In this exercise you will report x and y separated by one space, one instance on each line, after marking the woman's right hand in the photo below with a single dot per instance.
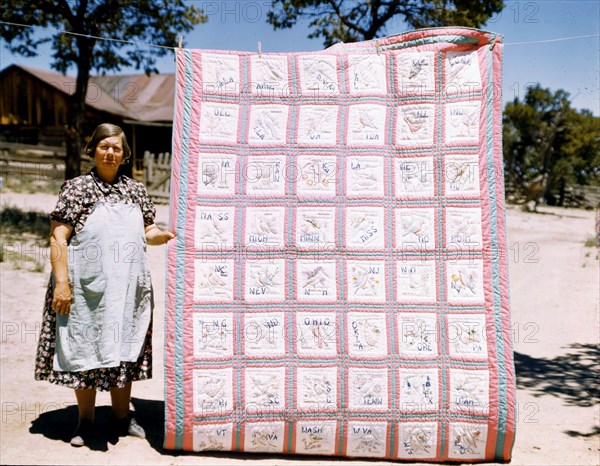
61 301
59 234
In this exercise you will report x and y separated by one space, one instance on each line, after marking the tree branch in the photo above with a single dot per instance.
343 19
65 10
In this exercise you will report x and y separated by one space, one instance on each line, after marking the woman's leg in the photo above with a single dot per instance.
120 398
86 403
123 422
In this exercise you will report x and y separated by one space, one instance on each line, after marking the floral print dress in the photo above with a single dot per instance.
75 203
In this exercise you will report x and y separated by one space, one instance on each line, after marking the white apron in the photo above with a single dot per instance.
112 299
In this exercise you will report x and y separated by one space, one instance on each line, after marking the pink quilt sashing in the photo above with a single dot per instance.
339 284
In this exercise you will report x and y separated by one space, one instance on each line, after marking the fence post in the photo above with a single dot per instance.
148 167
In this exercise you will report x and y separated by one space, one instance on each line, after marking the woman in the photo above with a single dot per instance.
97 328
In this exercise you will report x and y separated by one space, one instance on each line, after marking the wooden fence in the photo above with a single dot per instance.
155 172
39 164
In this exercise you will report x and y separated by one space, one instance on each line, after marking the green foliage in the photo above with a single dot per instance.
149 21
14 221
353 21
544 138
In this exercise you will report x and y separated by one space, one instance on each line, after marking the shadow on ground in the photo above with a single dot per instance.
573 376
61 423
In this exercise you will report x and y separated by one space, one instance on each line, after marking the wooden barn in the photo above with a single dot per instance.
34 105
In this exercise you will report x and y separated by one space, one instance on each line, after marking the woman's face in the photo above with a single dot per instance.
109 154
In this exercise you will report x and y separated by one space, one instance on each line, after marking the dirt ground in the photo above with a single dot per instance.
554 277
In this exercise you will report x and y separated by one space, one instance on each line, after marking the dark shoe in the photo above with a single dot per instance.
83 433
126 426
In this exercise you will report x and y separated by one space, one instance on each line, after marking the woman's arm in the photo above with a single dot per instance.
155 236
59 234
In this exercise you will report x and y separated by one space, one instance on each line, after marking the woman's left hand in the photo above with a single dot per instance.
155 236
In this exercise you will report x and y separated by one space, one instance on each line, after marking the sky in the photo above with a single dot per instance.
572 65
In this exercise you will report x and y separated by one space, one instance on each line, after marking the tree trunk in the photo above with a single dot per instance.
562 192
77 108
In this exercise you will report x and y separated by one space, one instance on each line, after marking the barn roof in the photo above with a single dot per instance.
134 97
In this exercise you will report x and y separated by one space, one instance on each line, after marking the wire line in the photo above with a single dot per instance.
560 39
87 35
552 40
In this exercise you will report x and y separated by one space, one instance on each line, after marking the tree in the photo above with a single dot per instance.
353 21
150 21
546 141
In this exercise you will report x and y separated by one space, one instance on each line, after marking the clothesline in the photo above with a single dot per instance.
559 39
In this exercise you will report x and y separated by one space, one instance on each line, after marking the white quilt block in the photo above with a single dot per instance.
316 281
264 228
213 437
265 176
219 123
268 125
417 440
318 76
264 334
316 228
464 280
461 176
316 176
467 336
217 174
317 388
463 229
366 335
462 73
419 390
316 437
415 229
367 125
213 280
462 123
416 281
214 228
365 228
418 334
213 335
364 177
414 125
316 334
469 391
265 437
414 177
416 73
269 75
367 74
367 438
221 74
467 440
213 391
264 280
264 389
366 281
368 389
318 125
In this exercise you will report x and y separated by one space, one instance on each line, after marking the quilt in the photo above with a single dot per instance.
339 284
